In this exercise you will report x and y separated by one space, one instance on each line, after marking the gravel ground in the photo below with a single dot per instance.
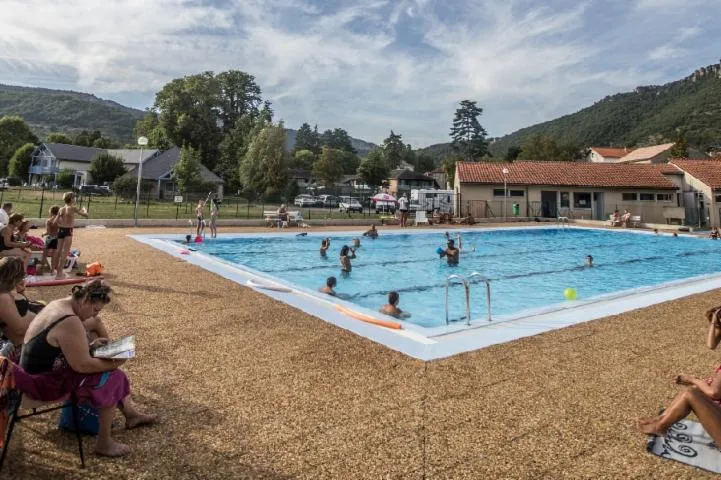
251 388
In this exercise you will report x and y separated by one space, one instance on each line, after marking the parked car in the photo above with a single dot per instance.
349 204
328 201
305 201
94 190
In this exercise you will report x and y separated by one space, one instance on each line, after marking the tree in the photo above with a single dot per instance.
337 139
349 162
540 148
105 168
263 170
680 147
19 165
512 154
469 137
303 159
393 150
14 133
238 96
65 178
86 138
448 164
328 168
58 138
150 128
186 173
372 169
126 186
232 149
307 139
424 163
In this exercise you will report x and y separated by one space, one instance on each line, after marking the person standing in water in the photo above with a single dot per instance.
372 233
589 261
452 253
324 246
391 308
330 284
346 254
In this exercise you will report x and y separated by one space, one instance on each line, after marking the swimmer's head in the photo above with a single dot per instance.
394 298
331 282
188 238
451 243
344 250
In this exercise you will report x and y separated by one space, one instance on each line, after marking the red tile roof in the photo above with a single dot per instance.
608 152
707 171
646 153
566 174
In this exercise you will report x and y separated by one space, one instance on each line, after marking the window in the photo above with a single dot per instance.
498 192
647 197
565 199
629 197
582 200
664 197
718 198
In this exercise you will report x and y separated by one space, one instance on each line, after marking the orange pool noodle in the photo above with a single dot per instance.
367 318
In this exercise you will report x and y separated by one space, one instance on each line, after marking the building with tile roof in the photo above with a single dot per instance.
572 189
606 154
657 154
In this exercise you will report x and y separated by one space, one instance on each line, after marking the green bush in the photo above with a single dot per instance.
65 178
14 181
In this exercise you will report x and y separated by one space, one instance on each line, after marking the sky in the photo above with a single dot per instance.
367 66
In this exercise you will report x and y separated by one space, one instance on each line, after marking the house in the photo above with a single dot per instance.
571 189
159 170
48 159
606 154
700 183
354 183
656 154
403 181
303 178
439 175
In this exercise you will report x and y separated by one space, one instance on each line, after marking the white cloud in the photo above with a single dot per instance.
349 65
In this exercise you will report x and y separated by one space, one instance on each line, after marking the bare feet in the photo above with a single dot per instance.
652 428
139 419
60 276
111 448
647 420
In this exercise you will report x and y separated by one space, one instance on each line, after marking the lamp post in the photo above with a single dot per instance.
142 141
505 192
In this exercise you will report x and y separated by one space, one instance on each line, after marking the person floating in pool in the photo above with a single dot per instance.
452 253
589 261
391 308
330 284
324 246
346 254
372 233
698 395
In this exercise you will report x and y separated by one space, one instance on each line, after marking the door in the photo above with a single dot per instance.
549 204
690 203
598 206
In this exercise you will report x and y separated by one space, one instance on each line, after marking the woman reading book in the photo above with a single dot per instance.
56 361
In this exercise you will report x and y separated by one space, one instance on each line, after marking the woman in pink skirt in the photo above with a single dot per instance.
56 361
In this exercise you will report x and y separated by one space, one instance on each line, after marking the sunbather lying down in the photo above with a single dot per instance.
700 396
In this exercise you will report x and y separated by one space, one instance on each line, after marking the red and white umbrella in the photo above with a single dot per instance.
384 197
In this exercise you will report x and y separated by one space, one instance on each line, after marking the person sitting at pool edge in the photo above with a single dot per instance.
391 308
700 396
625 218
330 284
324 246
372 233
616 219
346 254
452 253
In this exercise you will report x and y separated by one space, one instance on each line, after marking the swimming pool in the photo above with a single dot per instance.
528 269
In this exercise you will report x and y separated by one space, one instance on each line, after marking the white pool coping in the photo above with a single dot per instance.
430 343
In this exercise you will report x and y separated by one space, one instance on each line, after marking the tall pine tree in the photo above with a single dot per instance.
469 137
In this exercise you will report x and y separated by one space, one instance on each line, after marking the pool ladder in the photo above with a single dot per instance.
467 286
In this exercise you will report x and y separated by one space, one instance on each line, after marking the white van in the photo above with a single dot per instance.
430 200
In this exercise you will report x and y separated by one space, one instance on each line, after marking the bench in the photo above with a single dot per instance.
273 219
635 220
674 213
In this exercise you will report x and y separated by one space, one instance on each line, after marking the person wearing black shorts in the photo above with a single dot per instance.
403 208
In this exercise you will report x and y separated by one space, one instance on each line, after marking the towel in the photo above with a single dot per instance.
687 442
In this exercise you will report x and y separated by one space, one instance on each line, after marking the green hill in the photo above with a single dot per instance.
649 114
68 112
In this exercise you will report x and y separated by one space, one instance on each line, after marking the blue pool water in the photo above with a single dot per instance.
528 268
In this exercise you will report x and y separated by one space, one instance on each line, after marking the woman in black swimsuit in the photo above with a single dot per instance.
15 314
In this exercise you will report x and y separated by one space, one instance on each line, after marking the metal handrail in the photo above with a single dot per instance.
487 281
468 296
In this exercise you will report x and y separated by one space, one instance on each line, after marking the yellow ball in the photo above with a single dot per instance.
570 293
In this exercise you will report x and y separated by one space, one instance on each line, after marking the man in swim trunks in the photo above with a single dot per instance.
452 253
199 215
372 233
330 284
65 221
391 308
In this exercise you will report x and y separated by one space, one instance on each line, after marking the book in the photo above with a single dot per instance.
121 348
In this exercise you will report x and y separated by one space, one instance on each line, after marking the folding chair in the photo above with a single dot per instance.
15 399
421 217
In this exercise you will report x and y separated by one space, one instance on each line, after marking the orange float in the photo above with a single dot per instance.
368 319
